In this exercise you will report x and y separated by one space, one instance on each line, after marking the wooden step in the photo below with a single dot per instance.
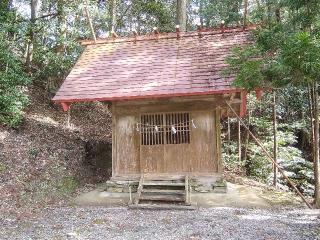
162 197
162 207
164 177
163 183
163 191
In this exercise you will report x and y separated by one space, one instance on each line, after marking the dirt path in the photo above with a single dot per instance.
120 223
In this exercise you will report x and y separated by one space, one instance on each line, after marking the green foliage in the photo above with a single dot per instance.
291 155
143 15
230 155
54 68
213 12
67 185
13 80
2 167
283 53
300 53
33 152
248 69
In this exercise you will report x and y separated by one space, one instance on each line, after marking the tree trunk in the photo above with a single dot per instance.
113 15
275 142
316 145
182 14
310 103
278 14
31 39
90 21
245 2
269 14
62 27
201 12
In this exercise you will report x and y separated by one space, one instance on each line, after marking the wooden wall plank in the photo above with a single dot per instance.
201 155
127 145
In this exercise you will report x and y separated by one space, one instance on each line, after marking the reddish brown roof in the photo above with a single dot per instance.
151 67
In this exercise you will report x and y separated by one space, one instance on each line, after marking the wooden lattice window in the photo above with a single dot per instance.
168 128
152 130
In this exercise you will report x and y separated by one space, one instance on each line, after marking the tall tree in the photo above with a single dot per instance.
31 37
286 53
275 140
182 14
113 15
13 79
62 26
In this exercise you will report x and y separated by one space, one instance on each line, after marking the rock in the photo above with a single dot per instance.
220 189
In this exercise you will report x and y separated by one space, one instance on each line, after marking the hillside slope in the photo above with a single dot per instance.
49 156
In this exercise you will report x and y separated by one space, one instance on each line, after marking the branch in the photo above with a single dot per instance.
124 13
48 15
44 16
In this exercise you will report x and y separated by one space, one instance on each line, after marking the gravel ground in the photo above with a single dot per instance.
121 223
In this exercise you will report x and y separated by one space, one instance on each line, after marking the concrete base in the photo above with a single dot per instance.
236 196
200 183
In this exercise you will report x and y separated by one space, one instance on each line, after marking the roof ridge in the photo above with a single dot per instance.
166 35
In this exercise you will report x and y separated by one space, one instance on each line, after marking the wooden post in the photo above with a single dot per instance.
199 30
275 143
247 136
187 201
90 22
68 117
130 195
178 31
218 140
239 140
270 158
222 27
135 34
229 134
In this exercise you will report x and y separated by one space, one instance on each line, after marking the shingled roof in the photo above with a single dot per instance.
158 65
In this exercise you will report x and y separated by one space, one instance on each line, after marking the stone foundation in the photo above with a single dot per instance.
122 186
200 184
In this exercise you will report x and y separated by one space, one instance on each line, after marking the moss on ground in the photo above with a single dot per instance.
68 185
280 198
2 167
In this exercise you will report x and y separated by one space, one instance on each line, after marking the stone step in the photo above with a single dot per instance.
164 191
164 177
163 183
162 197
162 207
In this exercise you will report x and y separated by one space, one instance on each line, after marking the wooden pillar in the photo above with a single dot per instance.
239 140
114 141
218 140
229 133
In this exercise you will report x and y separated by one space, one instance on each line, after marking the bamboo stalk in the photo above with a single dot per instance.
270 158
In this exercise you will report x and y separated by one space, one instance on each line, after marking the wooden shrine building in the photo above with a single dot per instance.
167 93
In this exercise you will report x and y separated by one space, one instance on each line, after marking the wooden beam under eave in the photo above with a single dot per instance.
65 106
